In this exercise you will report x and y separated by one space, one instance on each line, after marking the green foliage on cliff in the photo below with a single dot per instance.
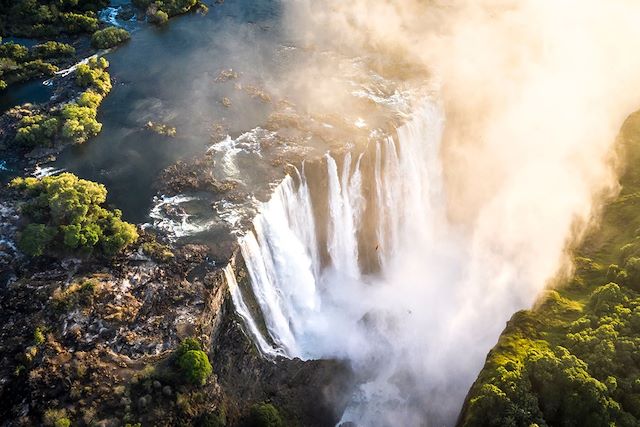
195 366
574 360
65 214
76 122
265 415
42 18
109 37
192 362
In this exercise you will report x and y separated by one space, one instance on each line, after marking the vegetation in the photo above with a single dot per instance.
109 37
265 415
56 418
157 251
159 11
37 130
62 422
575 359
213 419
44 18
51 49
193 362
18 63
65 214
157 16
77 294
76 122
196 367
38 336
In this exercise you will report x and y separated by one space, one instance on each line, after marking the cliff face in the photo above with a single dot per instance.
307 393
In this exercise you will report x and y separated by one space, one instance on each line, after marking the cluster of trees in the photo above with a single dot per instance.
18 63
109 37
587 378
159 11
575 359
76 122
43 18
64 214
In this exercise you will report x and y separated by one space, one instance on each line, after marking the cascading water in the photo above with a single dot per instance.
364 266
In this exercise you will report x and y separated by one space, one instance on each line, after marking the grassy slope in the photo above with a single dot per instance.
574 360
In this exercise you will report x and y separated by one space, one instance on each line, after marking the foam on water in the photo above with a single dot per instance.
179 223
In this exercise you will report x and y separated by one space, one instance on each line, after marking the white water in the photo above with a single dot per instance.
413 329
179 224
109 15
65 72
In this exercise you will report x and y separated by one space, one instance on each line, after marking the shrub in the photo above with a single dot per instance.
90 99
604 298
51 49
213 420
265 415
37 130
62 422
157 251
15 51
80 123
35 238
94 75
65 212
632 267
176 7
109 37
77 23
195 366
186 345
36 68
52 416
158 17
38 336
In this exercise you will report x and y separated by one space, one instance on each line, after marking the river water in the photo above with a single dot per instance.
171 75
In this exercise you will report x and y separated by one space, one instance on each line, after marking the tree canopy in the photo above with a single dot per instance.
65 214
574 360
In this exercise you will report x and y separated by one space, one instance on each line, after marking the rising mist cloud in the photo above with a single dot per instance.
534 93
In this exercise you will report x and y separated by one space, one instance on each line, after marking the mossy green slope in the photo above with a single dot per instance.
574 360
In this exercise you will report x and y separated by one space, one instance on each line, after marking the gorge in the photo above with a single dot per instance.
337 207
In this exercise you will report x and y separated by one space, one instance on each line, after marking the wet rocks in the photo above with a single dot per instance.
194 175
226 75
161 129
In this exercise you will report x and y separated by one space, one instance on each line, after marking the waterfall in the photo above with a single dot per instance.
361 264
243 310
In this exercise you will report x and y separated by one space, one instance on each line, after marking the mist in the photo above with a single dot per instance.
501 170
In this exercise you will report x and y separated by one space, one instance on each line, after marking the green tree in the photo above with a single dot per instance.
66 212
35 238
109 37
195 366
265 415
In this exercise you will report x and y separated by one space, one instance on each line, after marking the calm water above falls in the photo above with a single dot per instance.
167 75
